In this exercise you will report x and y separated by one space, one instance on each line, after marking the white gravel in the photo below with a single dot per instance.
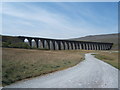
91 73
1 88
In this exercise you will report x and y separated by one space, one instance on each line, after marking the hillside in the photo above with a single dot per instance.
113 38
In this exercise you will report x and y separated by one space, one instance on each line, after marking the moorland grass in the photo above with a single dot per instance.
18 64
109 57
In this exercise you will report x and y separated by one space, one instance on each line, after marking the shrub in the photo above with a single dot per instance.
15 45
19 45
5 44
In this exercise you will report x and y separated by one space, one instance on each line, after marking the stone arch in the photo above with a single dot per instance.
73 44
110 46
45 44
100 46
33 43
96 46
90 46
41 43
51 45
80 46
93 46
87 46
105 48
56 45
48 44
26 41
36 42
61 45
29 42
76 45
65 45
70 47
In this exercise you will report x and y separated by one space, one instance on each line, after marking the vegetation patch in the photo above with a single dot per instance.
103 57
109 57
15 45
18 64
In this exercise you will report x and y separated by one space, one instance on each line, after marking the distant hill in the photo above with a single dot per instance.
112 38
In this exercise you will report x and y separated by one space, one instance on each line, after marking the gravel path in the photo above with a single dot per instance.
91 73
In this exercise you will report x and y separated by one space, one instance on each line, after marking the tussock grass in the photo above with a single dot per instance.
109 57
18 64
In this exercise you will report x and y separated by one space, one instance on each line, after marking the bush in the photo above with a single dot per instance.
19 45
15 45
5 44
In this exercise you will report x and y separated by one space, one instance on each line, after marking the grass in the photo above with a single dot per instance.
18 64
109 57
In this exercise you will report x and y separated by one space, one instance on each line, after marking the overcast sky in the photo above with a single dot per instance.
59 20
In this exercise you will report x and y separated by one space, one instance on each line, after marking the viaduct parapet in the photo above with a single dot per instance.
55 44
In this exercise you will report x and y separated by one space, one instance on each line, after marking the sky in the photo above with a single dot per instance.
59 20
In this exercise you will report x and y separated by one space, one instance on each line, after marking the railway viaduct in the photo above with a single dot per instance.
55 44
